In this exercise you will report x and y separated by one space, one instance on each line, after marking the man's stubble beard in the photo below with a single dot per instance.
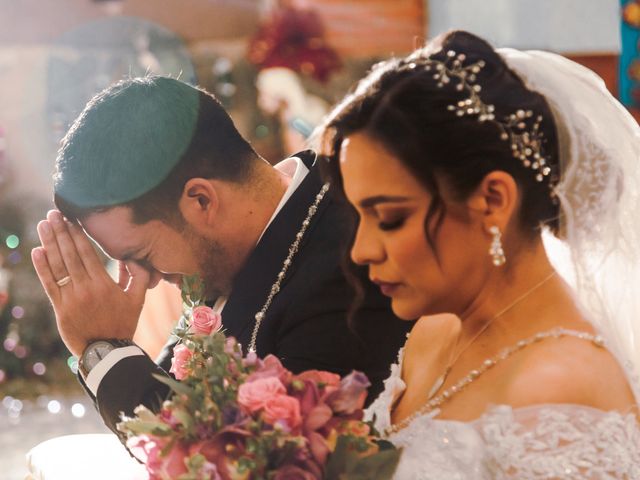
216 265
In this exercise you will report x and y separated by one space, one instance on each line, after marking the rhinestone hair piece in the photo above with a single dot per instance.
526 143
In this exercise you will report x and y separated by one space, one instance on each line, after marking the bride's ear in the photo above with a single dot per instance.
496 199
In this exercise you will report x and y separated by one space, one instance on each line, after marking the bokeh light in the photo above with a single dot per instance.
10 344
12 241
72 363
20 351
14 257
39 368
262 131
78 410
54 406
17 312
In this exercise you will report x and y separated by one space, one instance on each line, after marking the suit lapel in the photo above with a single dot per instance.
253 283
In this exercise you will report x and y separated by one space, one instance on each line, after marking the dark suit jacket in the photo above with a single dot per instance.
306 325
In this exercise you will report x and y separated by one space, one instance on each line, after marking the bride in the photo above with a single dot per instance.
498 198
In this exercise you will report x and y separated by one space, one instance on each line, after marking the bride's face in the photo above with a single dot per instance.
391 238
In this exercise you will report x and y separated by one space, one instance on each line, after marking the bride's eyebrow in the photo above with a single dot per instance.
373 201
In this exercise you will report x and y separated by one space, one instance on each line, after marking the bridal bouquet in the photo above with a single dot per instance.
240 417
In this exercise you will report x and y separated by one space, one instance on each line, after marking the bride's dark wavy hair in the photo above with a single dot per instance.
406 111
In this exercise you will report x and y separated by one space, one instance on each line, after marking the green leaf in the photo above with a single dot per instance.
345 464
183 417
192 290
339 460
175 385
379 466
138 427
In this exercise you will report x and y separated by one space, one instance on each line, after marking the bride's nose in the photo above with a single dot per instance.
366 249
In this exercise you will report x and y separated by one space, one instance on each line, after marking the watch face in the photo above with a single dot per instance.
94 353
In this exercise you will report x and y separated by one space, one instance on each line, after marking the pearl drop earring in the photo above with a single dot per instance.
496 251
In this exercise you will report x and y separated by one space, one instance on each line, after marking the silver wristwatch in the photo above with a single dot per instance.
96 351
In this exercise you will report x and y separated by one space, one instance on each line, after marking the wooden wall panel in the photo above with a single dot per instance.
373 28
605 65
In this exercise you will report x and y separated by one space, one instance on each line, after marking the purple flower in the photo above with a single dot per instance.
351 395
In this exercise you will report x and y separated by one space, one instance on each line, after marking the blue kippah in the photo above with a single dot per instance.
126 141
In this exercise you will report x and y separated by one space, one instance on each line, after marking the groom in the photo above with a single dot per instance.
156 173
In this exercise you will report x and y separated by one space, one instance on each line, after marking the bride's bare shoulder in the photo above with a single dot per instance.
433 329
569 370
430 335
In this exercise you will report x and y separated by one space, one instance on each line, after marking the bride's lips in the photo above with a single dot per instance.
386 288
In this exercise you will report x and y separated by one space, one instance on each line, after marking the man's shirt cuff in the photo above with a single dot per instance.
98 372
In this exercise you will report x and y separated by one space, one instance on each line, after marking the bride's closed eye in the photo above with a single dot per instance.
391 225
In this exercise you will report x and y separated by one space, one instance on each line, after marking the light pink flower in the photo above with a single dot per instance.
148 450
318 446
320 377
317 417
181 355
271 366
205 321
250 360
255 394
283 410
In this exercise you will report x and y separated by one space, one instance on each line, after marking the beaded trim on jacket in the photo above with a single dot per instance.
293 249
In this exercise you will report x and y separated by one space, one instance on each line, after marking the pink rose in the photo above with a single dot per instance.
283 410
204 320
148 450
254 395
181 356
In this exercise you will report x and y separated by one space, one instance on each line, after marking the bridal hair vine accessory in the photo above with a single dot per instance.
526 142
496 251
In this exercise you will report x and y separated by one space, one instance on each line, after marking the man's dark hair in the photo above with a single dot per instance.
138 142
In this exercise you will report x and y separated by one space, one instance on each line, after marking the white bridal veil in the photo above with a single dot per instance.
599 192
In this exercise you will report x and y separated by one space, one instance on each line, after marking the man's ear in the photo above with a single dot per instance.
496 199
199 202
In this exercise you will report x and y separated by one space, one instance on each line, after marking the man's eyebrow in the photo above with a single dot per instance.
373 201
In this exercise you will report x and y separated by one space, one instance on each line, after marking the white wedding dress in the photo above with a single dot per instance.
552 441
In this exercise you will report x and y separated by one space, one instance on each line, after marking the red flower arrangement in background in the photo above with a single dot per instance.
294 38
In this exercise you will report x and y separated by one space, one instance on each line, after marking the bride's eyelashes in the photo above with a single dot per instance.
391 225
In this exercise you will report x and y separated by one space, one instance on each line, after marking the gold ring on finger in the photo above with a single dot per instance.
63 281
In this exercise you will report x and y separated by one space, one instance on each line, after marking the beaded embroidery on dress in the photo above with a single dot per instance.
539 442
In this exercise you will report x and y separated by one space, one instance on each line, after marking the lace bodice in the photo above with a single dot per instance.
553 441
